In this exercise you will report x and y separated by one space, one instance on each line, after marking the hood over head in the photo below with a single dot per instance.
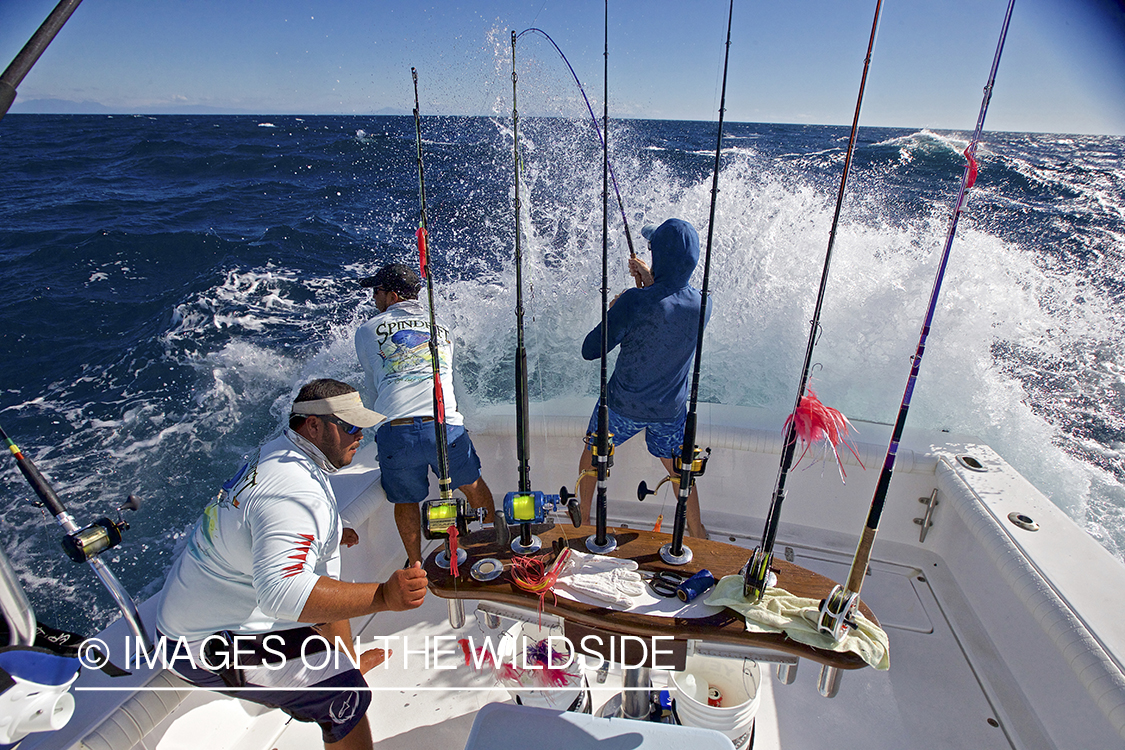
675 252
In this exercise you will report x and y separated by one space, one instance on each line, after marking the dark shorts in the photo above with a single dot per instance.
408 452
664 439
337 703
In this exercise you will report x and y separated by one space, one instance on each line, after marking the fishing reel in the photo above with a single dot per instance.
591 441
837 613
532 507
758 575
698 466
444 519
87 543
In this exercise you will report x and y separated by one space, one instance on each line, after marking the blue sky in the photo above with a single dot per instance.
797 61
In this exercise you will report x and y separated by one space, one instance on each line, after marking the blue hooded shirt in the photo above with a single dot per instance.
656 328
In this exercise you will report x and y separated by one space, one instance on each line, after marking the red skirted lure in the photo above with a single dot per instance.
813 421
423 241
453 570
971 179
529 574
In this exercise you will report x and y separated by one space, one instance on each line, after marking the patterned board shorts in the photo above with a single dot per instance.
662 438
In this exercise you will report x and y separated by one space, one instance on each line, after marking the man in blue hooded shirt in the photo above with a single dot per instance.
656 326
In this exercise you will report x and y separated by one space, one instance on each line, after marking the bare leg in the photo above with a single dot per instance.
694 519
341 631
408 519
586 484
360 736
357 739
479 496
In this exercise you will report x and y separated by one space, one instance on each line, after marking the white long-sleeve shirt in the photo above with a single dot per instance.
259 548
394 351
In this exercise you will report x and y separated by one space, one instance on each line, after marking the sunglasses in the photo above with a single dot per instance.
351 429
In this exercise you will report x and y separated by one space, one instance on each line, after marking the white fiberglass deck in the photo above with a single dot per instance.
999 637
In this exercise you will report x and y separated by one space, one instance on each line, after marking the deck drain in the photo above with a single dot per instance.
971 463
1023 521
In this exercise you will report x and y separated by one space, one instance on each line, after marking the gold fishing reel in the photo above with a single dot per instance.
698 466
591 441
698 461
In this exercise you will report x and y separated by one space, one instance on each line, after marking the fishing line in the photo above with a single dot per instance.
444 481
597 129
758 567
836 611
675 553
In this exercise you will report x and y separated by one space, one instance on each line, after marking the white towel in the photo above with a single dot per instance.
796 616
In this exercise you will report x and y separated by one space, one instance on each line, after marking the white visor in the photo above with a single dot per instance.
347 406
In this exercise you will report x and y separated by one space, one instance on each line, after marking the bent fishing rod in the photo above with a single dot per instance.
14 74
523 429
86 544
597 129
524 506
756 575
675 552
422 234
837 610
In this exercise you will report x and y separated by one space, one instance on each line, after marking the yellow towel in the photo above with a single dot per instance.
782 612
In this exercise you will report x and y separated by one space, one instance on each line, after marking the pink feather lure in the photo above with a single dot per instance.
813 421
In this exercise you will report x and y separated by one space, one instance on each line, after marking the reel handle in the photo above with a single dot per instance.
573 509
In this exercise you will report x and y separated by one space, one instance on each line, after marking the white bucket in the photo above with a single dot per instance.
738 682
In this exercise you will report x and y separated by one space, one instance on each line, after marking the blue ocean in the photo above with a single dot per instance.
170 281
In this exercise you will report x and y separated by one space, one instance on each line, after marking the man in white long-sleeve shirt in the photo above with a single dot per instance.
394 350
265 558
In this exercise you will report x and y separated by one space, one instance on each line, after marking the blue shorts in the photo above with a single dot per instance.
337 711
664 439
407 453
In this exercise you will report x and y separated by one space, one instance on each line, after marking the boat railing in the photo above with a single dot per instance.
13 602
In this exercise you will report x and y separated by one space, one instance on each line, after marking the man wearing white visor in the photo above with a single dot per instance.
259 576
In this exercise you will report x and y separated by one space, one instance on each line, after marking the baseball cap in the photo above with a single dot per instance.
394 277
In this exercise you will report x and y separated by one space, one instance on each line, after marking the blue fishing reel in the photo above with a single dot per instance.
531 507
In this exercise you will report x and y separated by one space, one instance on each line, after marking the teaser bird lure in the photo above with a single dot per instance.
813 422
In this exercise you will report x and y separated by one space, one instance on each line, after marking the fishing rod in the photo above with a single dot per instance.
601 542
524 506
757 570
85 544
675 552
444 518
836 611
422 234
523 429
29 55
597 129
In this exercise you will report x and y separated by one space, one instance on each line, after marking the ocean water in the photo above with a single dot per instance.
169 282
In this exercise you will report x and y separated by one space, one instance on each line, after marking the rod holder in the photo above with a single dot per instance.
828 684
787 673
456 613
